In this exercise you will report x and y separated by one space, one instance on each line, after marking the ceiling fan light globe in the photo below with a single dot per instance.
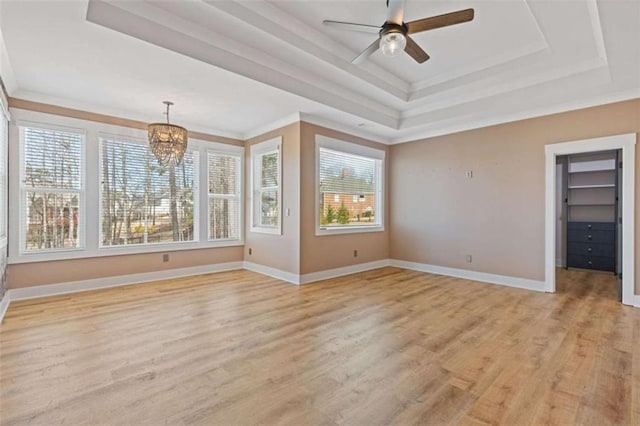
393 43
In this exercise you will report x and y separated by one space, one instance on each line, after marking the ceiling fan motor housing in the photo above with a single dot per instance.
391 28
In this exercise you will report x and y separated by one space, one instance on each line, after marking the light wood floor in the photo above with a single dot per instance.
384 347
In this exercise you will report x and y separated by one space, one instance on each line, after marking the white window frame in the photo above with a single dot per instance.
4 158
166 245
237 152
362 151
82 203
257 151
91 174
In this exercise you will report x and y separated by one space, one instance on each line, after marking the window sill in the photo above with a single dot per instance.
321 232
271 231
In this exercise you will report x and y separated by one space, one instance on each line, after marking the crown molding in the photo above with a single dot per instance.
90 115
333 125
471 124
266 128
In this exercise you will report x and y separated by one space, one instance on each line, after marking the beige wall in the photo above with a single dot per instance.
438 215
51 272
318 253
278 251
433 214
59 271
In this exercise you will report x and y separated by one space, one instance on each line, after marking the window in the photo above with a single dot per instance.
224 172
352 174
51 190
4 139
266 193
142 202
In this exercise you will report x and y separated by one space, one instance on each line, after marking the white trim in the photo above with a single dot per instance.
238 154
625 142
92 131
122 280
346 270
4 305
195 151
275 125
472 122
289 277
349 148
340 145
256 151
508 281
117 281
346 128
80 191
115 112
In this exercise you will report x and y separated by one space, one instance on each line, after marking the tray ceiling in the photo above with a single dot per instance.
514 60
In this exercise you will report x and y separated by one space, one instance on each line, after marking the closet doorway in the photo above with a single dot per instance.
589 222
589 217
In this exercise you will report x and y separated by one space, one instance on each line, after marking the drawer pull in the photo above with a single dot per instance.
589 226
590 263
589 249
589 237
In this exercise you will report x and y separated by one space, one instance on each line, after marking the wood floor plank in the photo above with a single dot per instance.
389 346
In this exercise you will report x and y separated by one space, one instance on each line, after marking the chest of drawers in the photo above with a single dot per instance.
591 245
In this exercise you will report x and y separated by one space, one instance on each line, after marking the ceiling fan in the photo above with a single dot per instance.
393 35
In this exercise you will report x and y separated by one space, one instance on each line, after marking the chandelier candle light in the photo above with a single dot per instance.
168 142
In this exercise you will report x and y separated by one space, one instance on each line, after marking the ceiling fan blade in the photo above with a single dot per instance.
415 51
366 52
440 21
350 26
395 13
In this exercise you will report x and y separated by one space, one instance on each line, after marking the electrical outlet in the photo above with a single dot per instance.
469 174
165 257
355 253
250 251
469 258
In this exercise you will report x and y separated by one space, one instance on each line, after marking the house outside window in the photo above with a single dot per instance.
51 190
349 186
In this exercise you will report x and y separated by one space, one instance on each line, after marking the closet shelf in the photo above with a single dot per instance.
611 185
590 204
613 169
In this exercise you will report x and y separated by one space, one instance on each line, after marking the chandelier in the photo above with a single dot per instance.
168 142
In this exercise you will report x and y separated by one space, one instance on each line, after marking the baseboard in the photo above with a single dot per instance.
120 280
289 277
347 270
4 305
559 263
637 301
94 284
523 283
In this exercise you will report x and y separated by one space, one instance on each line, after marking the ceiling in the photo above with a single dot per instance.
239 68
